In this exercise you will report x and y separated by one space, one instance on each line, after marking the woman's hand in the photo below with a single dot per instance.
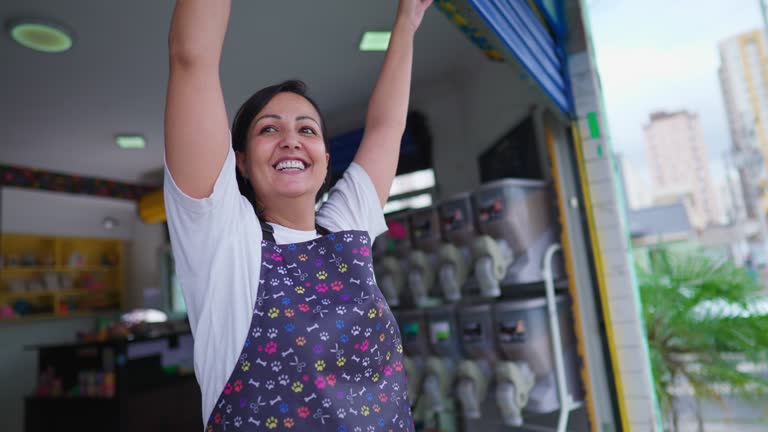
411 12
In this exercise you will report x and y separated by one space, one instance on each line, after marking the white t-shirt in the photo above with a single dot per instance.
217 248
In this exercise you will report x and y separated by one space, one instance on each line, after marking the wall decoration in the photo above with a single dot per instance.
42 180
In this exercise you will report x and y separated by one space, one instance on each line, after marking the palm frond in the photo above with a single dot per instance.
703 325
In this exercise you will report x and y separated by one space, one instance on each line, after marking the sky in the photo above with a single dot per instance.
656 55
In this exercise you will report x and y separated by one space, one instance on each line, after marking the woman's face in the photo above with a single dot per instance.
285 155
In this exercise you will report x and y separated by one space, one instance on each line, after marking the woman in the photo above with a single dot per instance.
291 331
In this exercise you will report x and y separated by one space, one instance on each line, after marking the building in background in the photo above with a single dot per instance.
637 190
733 205
668 227
744 83
663 224
679 167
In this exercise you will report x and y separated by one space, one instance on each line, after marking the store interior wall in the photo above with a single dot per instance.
29 211
65 214
144 260
444 105
492 100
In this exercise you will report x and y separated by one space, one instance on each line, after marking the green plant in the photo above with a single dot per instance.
703 325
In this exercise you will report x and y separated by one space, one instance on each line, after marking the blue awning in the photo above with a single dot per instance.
511 28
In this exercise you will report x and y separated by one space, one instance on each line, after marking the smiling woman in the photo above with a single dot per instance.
249 245
259 133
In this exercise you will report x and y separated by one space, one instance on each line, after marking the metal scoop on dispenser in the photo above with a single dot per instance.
442 364
413 329
391 250
475 373
455 255
422 261
516 227
524 338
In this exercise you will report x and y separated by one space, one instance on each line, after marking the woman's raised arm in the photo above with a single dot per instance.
196 126
388 107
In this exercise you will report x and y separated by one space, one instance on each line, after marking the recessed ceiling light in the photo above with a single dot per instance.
40 36
131 141
375 41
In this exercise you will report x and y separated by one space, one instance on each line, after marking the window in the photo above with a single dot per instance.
176 304
418 201
412 190
418 180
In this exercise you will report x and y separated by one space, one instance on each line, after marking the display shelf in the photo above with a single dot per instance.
57 316
53 276
25 295
10 271
62 293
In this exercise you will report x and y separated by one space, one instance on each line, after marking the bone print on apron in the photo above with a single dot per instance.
323 352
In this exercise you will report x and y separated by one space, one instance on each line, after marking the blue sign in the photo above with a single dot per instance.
415 147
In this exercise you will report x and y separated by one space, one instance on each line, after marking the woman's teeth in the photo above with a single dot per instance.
290 165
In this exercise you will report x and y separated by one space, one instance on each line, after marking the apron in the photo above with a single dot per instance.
324 352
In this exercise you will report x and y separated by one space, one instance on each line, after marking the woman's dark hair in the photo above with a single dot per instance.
241 125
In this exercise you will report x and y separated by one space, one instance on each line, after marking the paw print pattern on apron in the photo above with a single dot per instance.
323 352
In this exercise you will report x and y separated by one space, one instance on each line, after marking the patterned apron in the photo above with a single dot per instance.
324 352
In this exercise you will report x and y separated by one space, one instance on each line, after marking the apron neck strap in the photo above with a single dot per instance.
269 232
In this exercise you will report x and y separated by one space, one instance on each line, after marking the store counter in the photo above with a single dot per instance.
133 383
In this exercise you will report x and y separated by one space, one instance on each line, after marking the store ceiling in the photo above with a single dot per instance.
60 112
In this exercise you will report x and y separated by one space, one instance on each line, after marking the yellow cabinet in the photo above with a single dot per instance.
49 276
